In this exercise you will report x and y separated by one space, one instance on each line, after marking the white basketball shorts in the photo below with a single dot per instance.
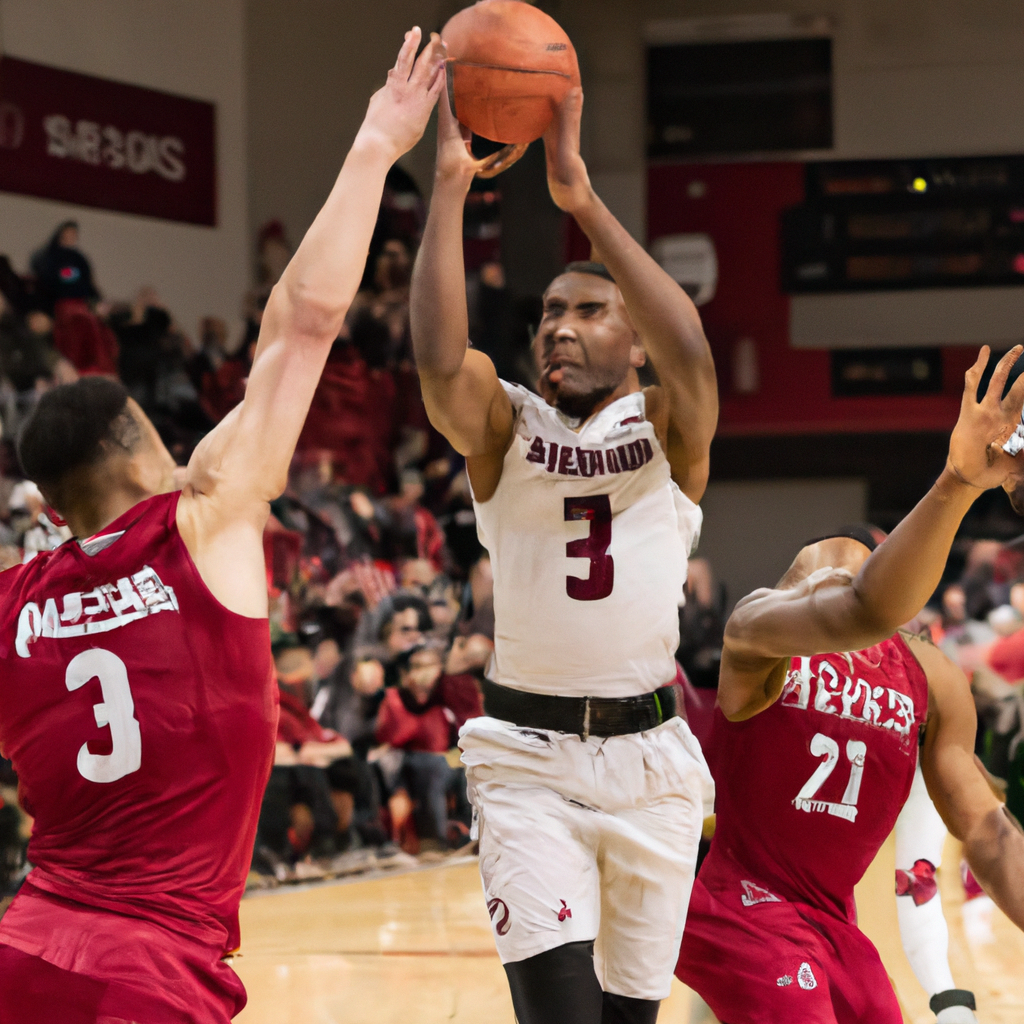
589 840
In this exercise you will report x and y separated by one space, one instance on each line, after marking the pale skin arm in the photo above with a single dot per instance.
834 611
461 391
242 464
685 407
993 845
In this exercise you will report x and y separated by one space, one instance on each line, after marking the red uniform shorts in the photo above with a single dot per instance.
776 962
65 963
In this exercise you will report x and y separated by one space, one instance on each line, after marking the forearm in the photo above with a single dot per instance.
663 314
440 323
321 279
891 588
902 574
995 851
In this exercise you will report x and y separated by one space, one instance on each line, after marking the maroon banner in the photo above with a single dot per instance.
96 142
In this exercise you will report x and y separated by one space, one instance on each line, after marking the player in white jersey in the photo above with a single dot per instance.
590 791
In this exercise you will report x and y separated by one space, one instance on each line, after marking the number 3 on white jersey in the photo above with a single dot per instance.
116 711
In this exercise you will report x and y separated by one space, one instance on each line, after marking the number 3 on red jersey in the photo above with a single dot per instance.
117 711
597 510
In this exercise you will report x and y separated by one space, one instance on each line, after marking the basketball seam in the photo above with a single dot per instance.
501 67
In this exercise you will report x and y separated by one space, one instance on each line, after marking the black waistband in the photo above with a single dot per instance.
584 716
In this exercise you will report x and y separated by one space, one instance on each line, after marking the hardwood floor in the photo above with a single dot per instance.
416 948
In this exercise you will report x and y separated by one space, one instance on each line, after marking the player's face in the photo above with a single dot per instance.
586 346
152 465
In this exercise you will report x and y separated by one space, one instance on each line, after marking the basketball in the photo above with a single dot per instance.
509 65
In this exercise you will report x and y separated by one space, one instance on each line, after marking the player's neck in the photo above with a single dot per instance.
93 515
630 385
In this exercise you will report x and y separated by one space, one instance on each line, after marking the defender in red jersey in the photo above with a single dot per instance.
137 698
814 752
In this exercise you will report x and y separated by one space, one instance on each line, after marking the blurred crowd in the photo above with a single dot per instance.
977 619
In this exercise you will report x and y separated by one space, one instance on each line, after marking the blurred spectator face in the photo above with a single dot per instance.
699 582
422 674
214 333
39 323
418 574
954 604
69 237
403 631
469 654
1017 598
361 505
326 659
295 668
367 678
443 610
481 581
394 265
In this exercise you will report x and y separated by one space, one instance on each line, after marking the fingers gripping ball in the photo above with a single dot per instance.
509 66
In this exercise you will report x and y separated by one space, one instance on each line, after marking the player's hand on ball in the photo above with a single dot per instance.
455 160
976 456
398 113
568 180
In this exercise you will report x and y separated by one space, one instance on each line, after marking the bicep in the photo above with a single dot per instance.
470 407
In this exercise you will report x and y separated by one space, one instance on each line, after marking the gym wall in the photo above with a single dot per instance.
190 47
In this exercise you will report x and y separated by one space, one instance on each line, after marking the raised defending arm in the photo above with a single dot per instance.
665 319
463 396
243 463
834 611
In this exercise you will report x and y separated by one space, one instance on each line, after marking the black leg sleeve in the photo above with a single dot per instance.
627 1010
557 987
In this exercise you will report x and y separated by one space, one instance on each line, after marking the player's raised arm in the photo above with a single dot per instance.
463 396
832 610
993 843
662 313
244 461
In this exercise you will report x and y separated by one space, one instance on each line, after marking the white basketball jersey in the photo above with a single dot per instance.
588 537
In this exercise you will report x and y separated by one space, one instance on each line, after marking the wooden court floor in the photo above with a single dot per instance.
416 948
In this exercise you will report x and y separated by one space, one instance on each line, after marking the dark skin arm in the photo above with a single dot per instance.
684 409
993 844
461 391
834 610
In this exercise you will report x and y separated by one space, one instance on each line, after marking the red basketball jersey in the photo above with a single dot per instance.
140 715
808 790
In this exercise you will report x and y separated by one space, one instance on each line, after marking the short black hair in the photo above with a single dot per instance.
401 603
863 533
69 428
589 267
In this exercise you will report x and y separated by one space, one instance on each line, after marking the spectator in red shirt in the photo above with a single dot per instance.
422 717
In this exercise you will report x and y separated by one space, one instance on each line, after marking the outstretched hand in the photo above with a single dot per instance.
568 181
976 454
398 112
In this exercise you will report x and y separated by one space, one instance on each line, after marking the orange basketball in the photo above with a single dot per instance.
509 65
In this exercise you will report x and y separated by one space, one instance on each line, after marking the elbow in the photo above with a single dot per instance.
306 310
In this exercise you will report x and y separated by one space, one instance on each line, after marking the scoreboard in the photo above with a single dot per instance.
886 225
